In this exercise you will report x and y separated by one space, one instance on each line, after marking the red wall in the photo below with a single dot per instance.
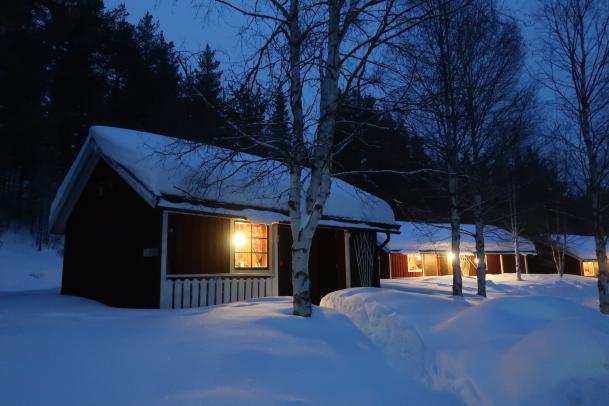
399 267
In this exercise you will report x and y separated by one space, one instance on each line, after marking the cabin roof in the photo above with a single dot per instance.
581 247
435 237
175 174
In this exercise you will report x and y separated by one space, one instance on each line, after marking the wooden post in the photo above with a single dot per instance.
389 264
422 263
438 264
501 261
165 291
348 260
275 259
526 265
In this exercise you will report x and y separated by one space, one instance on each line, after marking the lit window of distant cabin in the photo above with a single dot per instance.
251 243
415 264
589 268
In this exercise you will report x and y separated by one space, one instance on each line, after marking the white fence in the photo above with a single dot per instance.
185 291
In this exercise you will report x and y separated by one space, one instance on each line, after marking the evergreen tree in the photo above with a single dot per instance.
278 123
67 66
247 108
151 91
208 77
203 102
375 140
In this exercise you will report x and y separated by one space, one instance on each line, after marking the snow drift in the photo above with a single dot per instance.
67 350
513 349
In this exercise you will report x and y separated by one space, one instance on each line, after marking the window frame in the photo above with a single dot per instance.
589 264
268 270
409 257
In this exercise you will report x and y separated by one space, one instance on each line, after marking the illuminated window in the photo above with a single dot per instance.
589 268
414 263
251 246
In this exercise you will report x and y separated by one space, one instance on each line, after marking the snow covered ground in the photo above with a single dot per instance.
540 341
61 350
575 288
23 267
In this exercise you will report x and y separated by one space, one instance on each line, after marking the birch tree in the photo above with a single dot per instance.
318 51
515 231
490 55
577 71
439 114
467 63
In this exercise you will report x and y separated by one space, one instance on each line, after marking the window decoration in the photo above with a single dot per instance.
415 264
251 246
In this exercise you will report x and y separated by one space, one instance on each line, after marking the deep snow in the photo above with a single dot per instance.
61 350
540 341
532 342
23 267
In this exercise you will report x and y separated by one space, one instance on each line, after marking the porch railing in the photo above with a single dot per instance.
185 291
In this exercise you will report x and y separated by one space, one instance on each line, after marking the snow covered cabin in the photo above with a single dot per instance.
151 221
580 253
424 249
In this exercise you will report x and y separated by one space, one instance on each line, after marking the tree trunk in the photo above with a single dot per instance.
455 228
517 257
301 283
601 256
479 236
304 218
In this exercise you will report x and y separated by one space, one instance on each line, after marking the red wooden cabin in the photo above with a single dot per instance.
151 221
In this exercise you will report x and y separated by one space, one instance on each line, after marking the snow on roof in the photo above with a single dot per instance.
427 237
582 247
172 173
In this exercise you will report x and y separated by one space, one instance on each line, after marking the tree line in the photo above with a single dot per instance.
68 65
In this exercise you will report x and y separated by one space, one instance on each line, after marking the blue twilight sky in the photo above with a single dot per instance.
191 27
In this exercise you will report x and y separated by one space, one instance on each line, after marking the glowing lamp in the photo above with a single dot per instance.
450 256
476 260
239 239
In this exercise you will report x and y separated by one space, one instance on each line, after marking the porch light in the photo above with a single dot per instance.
239 239
476 260
450 256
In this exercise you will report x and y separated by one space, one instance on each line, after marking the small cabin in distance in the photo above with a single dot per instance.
580 253
424 249
154 222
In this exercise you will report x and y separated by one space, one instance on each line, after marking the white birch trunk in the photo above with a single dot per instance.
305 218
601 256
455 228
479 236
517 256
515 231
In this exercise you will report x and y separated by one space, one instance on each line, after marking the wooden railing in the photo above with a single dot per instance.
185 291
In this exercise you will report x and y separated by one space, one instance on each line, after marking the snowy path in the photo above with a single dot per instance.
540 341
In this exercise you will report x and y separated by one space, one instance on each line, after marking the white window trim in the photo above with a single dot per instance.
269 271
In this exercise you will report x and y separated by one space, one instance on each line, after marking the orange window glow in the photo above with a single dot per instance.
251 244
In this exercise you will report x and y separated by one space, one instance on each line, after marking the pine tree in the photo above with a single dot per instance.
208 77
247 108
152 86
278 123
203 100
